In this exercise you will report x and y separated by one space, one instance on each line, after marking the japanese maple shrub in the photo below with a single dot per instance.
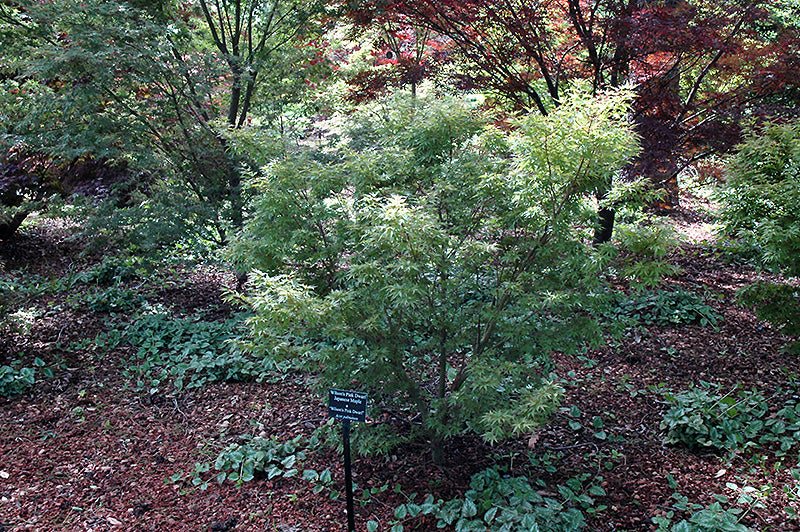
435 261
762 210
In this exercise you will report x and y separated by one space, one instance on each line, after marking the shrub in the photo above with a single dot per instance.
761 204
242 462
435 260
698 418
646 247
150 223
190 352
656 307
114 300
25 186
31 181
777 303
115 269
713 518
512 504
761 207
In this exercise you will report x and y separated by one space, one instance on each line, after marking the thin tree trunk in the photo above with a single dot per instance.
605 226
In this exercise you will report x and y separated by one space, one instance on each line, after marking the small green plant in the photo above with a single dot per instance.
497 502
701 417
16 289
324 479
656 307
242 462
114 299
713 518
116 269
15 379
648 245
595 425
22 320
190 352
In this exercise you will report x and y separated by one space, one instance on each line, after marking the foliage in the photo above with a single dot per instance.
777 303
18 288
242 462
294 225
114 299
145 86
645 250
760 208
760 201
15 379
266 50
115 269
73 54
374 439
695 66
434 260
698 417
402 53
710 519
22 191
659 307
189 352
156 225
498 502
31 181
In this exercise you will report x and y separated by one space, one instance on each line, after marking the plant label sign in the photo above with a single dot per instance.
347 405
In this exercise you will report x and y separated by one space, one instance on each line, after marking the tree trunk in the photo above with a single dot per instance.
657 106
234 184
605 226
437 450
8 228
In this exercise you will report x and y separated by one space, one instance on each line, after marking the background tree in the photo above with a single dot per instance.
404 52
700 68
113 81
248 35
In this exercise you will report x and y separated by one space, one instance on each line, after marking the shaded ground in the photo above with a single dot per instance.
86 451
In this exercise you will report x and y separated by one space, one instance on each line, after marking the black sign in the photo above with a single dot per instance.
347 405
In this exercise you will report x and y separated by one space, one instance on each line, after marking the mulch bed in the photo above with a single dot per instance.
86 451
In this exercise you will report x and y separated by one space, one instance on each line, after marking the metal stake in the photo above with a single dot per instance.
348 476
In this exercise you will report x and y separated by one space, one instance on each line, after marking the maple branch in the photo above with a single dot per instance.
707 68
219 42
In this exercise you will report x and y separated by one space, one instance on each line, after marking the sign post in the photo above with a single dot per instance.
348 406
348 476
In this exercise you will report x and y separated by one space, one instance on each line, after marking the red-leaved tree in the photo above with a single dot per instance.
700 68
405 51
